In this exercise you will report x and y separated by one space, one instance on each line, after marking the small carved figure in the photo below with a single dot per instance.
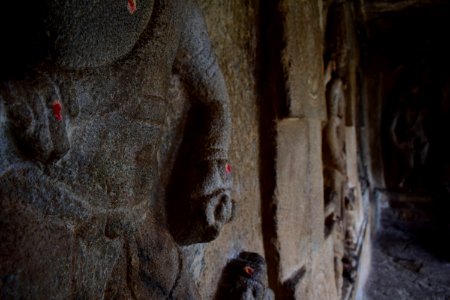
408 135
338 253
244 279
333 143
334 135
350 219
350 267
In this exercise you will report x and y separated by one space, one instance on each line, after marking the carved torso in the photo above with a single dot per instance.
115 142
121 127
87 167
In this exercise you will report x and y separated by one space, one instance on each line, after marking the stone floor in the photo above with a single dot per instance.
411 252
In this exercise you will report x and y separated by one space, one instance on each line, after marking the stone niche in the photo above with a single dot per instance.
104 107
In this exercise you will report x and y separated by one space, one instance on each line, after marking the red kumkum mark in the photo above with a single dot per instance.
57 110
249 270
132 6
228 168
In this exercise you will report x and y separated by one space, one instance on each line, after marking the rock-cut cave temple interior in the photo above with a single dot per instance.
196 149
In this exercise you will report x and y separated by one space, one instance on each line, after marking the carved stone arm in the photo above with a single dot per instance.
202 204
199 69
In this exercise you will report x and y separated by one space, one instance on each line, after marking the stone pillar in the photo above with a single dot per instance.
303 256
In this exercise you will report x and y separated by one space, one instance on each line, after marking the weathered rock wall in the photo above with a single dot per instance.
281 69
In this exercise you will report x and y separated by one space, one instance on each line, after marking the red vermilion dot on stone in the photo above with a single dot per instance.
228 168
132 6
249 270
57 110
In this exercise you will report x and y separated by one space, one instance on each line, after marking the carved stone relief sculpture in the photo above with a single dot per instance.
87 135
244 278
334 167
407 133
350 218
349 260
333 148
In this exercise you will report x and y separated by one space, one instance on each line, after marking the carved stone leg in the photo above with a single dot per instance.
149 267
53 247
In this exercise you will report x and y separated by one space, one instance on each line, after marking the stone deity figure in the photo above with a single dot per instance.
88 131
407 132
333 142
349 260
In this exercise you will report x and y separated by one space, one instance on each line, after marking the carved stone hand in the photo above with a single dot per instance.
209 205
37 116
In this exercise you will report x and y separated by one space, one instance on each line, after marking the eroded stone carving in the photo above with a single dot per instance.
244 278
36 114
333 147
87 136
350 257
334 167
350 219
208 206
407 133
